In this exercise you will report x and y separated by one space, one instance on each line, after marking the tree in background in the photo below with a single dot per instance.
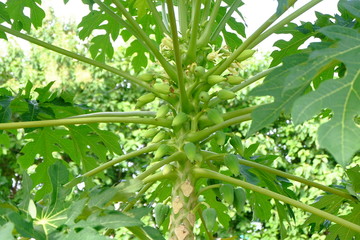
200 170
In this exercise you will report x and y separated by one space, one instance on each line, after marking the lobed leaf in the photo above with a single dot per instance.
341 135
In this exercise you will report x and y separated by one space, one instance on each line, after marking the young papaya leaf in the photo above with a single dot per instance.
338 231
341 135
6 231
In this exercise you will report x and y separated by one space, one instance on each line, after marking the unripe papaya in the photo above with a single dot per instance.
150 132
161 211
147 77
204 96
209 216
227 193
226 94
159 136
180 119
162 88
149 97
233 80
236 142
167 169
245 55
190 151
199 71
162 151
215 116
220 138
214 79
232 163
162 111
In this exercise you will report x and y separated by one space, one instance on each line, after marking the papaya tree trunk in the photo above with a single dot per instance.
184 200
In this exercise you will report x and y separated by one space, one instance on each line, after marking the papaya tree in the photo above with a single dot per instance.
194 169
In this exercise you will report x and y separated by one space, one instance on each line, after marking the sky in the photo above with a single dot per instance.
255 13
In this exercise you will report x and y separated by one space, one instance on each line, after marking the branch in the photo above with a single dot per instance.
157 177
205 173
244 84
183 97
157 17
84 120
165 64
201 190
205 36
201 135
175 157
138 196
195 18
205 122
111 163
116 114
77 57
256 165
183 22
106 165
224 65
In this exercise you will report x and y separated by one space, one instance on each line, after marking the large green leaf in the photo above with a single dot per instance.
286 48
15 9
341 135
340 232
112 219
295 66
328 203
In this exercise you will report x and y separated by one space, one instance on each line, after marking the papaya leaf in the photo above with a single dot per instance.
340 232
5 102
87 233
15 9
112 219
341 135
273 85
328 203
25 228
299 35
353 7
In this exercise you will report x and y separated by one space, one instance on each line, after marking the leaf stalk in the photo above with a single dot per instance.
205 173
